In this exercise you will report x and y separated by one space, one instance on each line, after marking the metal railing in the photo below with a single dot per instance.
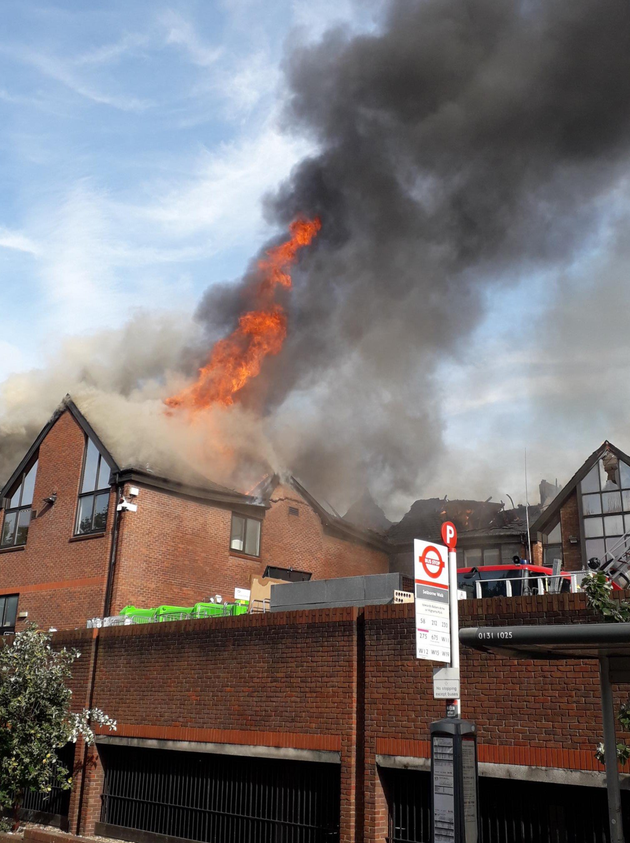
132 620
522 586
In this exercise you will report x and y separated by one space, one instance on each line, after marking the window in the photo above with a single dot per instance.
94 495
473 557
245 535
552 543
287 574
605 494
17 516
8 613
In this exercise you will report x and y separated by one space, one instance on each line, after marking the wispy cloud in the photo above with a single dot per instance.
17 241
63 73
221 200
108 53
181 32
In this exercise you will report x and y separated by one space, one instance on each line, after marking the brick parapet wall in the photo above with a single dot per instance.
348 680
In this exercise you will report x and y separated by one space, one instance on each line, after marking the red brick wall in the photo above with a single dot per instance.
348 680
61 582
300 542
273 679
570 521
345 559
176 551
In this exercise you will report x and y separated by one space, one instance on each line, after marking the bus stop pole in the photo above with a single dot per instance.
610 750
456 710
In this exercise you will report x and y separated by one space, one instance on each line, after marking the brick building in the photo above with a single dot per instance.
318 722
590 516
68 553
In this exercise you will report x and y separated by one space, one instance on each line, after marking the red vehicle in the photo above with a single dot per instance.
510 580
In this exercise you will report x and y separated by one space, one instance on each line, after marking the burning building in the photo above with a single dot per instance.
88 529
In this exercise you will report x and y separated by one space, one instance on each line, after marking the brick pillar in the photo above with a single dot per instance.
77 778
570 520
349 830
93 780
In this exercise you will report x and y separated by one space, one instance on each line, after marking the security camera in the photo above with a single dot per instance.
593 563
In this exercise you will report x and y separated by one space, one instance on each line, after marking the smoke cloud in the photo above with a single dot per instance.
463 147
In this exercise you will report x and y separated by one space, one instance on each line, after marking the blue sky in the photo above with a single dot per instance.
136 142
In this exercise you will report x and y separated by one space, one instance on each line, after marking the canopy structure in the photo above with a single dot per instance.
609 643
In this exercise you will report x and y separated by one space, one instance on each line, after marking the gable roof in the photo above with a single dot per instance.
549 515
331 520
191 483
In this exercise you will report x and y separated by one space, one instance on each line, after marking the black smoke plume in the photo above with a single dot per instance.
464 145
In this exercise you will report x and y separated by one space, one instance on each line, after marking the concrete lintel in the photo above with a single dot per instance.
403 762
282 752
548 775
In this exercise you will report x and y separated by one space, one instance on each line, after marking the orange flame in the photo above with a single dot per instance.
235 360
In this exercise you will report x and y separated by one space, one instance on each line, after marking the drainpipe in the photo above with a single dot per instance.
113 550
610 749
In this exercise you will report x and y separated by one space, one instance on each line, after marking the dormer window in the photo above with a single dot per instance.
17 514
94 495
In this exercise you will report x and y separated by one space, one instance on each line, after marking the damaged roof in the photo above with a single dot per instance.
158 471
478 518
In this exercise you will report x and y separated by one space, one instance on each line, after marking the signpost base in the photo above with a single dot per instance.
454 788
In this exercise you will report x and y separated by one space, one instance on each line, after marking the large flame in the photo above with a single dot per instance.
238 358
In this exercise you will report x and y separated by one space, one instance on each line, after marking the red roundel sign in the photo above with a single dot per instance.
432 562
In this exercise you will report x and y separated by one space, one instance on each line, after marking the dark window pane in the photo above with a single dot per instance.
613 524
29 486
15 500
555 536
492 556
473 557
624 471
237 540
595 549
100 512
494 589
8 528
592 504
611 502
84 515
103 475
460 558
91 465
24 519
552 551
252 537
593 528
10 610
591 481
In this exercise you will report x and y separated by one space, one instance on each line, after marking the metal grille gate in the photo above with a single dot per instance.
510 811
46 806
220 798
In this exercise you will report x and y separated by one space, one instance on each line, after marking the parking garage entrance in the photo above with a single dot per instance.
152 794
